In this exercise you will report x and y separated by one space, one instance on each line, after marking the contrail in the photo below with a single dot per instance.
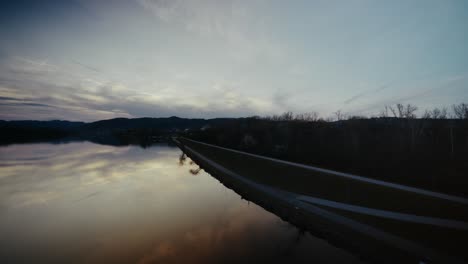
86 66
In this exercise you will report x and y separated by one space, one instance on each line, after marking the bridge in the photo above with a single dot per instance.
378 220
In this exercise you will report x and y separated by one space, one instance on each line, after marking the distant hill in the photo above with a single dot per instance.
54 124
115 131
172 122
154 123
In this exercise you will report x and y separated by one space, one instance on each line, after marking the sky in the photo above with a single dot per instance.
94 59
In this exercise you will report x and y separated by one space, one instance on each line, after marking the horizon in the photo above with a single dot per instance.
92 60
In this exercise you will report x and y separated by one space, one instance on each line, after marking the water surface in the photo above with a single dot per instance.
88 203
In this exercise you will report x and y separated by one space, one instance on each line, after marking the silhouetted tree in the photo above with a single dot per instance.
460 111
339 115
436 113
400 110
308 117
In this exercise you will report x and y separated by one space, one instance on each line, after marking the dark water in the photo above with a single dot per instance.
87 203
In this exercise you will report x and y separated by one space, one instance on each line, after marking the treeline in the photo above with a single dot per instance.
456 111
429 152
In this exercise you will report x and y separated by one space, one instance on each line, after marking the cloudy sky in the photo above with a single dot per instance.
89 60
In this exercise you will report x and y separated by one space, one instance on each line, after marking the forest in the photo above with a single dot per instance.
430 151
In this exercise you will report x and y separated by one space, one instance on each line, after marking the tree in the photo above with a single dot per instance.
384 112
436 113
460 111
339 115
427 115
409 111
287 116
308 117
400 110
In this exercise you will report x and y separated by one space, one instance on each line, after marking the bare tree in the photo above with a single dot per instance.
439 113
436 113
308 117
460 111
287 116
384 112
394 112
427 114
443 113
401 111
409 111
339 115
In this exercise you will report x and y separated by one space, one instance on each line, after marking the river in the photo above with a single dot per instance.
87 203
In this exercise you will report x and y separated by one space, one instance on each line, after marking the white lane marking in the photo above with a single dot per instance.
447 223
350 176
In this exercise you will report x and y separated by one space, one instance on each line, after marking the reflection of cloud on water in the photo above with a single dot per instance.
34 174
238 234
20 199
129 205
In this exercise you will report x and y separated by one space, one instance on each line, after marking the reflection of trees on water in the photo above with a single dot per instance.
182 159
291 246
195 171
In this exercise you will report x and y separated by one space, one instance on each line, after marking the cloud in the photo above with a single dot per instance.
238 24
31 89
26 104
4 98
280 99
204 17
